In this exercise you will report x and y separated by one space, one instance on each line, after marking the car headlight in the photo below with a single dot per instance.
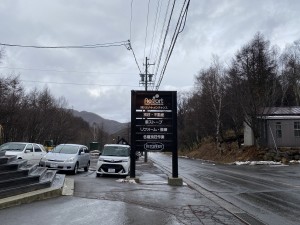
101 160
70 159
124 160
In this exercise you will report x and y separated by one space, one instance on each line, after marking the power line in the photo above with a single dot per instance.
59 71
157 15
185 17
130 25
161 33
129 41
164 41
103 45
130 48
79 84
146 28
179 28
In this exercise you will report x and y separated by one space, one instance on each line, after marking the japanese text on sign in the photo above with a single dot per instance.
153 129
154 146
154 137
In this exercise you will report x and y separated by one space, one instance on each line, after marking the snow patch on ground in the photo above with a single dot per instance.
130 181
253 163
295 161
208 162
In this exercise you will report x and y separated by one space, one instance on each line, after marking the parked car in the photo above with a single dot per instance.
33 152
115 159
67 157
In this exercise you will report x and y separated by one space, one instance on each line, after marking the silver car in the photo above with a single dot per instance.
67 157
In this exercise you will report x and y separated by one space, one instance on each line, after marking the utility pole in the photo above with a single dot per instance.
146 79
1 135
94 125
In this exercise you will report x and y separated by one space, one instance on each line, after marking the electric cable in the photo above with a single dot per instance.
162 29
147 28
79 84
185 14
58 71
157 15
178 29
130 48
160 39
103 45
130 24
164 41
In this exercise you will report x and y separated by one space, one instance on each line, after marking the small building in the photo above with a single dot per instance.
279 127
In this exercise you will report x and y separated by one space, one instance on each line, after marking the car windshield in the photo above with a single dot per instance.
115 151
66 149
12 147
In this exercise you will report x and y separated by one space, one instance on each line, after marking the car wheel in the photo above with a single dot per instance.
98 175
87 167
75 170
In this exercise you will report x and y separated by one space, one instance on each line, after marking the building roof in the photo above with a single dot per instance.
281 117
281 111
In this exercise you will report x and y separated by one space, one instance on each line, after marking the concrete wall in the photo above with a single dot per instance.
248 135
288 138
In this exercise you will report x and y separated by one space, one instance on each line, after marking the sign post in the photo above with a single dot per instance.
154 124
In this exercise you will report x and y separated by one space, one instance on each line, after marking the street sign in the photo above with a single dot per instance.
154 125
153 119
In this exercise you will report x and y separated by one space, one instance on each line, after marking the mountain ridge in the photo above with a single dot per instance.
109 126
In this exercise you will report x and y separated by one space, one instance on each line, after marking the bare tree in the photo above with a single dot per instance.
11 94
211 85
290 74
188 120
233 116
255 69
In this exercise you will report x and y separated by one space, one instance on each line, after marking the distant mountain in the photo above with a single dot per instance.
109 126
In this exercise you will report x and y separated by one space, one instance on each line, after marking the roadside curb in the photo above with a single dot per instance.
68 188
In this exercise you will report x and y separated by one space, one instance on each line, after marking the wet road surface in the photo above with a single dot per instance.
103 200
269 193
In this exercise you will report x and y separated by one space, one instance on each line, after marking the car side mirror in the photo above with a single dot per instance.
27 151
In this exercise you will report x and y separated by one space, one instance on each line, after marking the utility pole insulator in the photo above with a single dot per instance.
146 78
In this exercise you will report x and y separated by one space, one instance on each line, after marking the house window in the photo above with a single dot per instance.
297 129
278 130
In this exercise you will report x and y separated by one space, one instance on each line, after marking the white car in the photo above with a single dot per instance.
23 150
114 160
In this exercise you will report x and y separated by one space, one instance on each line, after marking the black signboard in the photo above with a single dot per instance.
154 124
153 119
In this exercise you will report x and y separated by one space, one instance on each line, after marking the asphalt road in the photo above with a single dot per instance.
105 200
269 193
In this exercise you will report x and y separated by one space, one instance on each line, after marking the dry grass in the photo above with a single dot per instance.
226 153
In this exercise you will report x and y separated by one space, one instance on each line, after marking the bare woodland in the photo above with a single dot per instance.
226 96
37 116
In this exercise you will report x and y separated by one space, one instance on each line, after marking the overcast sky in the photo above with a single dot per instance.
100 80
